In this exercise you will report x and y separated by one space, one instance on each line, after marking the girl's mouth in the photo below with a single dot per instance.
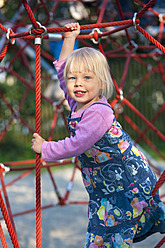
79 93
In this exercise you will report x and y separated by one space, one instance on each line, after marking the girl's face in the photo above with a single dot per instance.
83 87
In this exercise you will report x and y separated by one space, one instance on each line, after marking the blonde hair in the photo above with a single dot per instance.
90 59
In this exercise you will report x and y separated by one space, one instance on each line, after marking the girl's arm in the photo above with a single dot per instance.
69 39
59 65
94 123
67 48
89 130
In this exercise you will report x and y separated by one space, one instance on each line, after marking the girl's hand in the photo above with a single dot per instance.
37 143
69 39
74 30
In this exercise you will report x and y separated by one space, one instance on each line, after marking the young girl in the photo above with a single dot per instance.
115 173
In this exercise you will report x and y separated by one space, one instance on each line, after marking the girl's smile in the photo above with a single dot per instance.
83 87
79 93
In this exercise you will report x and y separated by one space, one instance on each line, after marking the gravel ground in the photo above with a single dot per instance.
62 227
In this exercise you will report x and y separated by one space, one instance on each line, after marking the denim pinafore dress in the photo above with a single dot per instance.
119 182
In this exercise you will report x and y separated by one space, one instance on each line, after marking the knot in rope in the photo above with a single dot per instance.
162 18
9 31
118 108
157 54
4 169
134 21
120 95
96 36
95 32
57 106
131 46
41 30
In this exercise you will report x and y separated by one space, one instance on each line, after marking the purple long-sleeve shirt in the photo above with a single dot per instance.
96 120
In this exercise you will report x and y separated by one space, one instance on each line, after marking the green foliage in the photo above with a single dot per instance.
14 148
148 98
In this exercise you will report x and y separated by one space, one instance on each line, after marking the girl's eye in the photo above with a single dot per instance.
71 78
86 77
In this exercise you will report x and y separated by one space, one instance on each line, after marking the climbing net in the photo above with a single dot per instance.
101 40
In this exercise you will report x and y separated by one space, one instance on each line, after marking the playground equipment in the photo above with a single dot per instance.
97 32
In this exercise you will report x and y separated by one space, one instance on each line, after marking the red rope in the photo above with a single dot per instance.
152 121
150 9
53 8
157 186
30 13
160 243
125 70
14 112
122 17
38 160
101 49
46 12
7 201
24 174
71 181
8 223
161 28
101 14
2 237
145 138
20 51
3 28
144 119
162 72
5 129
38 31
159 183
145 8
2 55
149 37
29 85
26 19
32 161
60 198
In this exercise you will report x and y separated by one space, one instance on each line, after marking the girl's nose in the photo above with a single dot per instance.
78 82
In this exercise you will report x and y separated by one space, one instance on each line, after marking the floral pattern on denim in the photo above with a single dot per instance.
119 182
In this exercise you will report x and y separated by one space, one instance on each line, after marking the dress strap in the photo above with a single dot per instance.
72 109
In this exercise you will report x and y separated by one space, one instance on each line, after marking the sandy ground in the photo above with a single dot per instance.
62 227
